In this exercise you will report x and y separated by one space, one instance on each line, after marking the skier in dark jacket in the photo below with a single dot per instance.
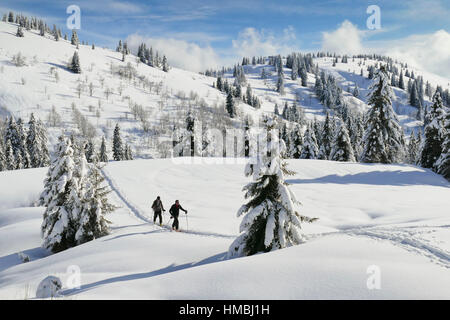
174 212
157 207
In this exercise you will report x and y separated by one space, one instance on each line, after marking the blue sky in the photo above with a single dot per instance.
227 27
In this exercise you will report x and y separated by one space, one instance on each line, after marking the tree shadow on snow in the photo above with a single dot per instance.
381 178
14 259
137 276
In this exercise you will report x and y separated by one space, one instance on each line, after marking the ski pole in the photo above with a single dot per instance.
187 223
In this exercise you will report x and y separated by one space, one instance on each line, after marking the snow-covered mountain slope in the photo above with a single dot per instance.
163 97
394 217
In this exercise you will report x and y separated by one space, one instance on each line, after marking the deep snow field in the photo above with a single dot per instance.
393 217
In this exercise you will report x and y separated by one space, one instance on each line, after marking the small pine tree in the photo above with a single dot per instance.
74 64
304 76
280 84
74 40
165 65
443 163
309 149
326 138
231 109
9 156
103 157
413 149
20 32
118 152
356 92
342 148
272 221
92 223
296 143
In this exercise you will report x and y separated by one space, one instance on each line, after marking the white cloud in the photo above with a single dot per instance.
430 52
251 42
190 55
180 53
344 40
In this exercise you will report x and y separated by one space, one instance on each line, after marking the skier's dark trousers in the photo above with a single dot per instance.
175 212
157 207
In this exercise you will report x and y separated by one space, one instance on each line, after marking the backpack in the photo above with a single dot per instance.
157 205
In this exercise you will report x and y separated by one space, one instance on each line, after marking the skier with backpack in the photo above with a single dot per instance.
175 212
157 207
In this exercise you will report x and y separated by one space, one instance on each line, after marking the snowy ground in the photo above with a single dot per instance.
393 217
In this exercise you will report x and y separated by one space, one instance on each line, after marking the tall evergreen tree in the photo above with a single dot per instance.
33 143
401 82
310 149
230 107
296 142
432 145
304 76
443 163
272 221
342 148
383 139
326 138
103 156
10 160
413 149
280 85
92 223
118 152
61 199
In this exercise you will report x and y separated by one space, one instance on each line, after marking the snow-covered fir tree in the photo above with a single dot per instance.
443 163
342 149
61 199
432 144
103 155
296 142
2 156
10 160
356 92
74 40
230 107
92 223
310 149
74 64
271 218
326 138
383 138
280 84
117 148
304 76
89 151
19 32
413 148
34 144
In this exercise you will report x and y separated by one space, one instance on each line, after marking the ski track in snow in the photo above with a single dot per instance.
134 209
404 237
